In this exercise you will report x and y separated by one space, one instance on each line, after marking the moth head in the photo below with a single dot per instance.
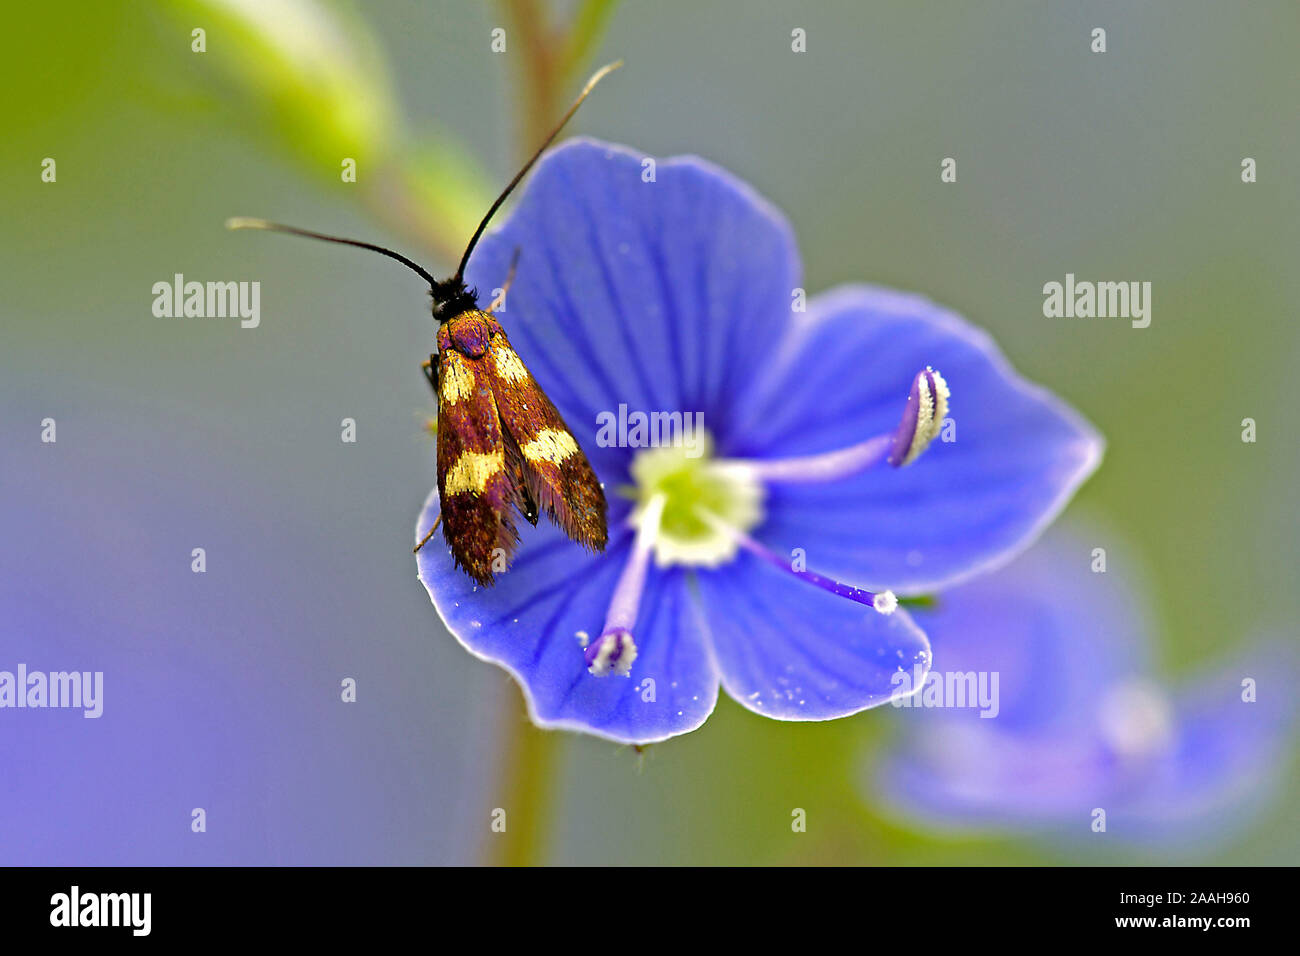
451 297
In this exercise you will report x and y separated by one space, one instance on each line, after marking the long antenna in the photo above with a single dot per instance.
591 85
244 222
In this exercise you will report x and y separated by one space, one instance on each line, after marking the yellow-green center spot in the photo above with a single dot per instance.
691 484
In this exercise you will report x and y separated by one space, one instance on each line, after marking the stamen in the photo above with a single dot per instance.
884 602
927 407
612 652
615 650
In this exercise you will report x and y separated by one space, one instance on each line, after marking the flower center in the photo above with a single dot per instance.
1136 719
692 489
695 509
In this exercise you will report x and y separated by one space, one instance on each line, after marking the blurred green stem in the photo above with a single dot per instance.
536 72
391 199
551 58
527 756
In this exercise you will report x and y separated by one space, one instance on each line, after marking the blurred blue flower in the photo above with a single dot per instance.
674 288
217 687
1072 721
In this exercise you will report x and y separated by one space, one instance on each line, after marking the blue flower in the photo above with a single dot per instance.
1041 711
674 288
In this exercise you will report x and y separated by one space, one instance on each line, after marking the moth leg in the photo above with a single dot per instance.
437 521
430 367
500 301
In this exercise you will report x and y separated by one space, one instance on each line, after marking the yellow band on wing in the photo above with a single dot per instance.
551 444
472 471
457 379
509 365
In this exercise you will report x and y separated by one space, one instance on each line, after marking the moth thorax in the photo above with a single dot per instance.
469 333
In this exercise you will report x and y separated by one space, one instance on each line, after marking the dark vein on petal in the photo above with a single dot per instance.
542 595
544 641
758 604
580 342
659 269
611 290
701 291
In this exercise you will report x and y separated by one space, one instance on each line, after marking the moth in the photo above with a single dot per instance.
503 448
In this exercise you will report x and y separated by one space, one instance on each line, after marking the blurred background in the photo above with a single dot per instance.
222 689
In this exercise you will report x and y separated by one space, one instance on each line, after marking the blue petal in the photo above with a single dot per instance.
664 295
1053 630
1227 761
1224 764
965 506
960 778
1056 634
529 623
789 650
1061 638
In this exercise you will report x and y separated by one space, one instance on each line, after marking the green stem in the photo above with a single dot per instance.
538 90
527 756
585 31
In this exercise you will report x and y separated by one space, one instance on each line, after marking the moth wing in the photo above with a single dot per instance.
476 489
516 466
556 473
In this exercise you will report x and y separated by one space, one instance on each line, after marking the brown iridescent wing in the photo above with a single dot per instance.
475 484
539 444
